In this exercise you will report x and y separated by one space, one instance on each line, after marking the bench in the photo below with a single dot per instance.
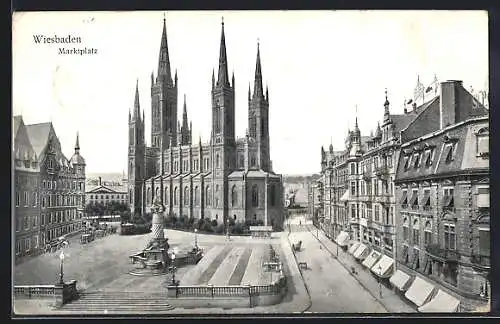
303 265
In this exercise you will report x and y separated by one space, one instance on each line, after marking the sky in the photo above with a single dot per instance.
319 66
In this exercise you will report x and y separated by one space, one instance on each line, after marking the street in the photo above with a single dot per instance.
331 286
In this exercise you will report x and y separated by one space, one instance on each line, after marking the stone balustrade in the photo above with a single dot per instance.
60 293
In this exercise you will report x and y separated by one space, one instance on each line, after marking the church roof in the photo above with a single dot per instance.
237 174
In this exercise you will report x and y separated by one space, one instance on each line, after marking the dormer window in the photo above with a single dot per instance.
449 152
428 158
414 199
416 160
448 202
404 199
426 201
483 142
407 160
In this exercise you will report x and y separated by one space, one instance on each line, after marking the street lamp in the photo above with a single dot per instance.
61 272
172 256
380 281
196 239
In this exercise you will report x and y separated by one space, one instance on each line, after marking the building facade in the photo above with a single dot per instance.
227 177
442 192
49 191
105 193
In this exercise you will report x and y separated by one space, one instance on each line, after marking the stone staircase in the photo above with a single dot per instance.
119 302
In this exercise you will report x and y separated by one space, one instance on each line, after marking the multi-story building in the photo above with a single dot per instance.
105 193
442 191
25 192
226 177
55 192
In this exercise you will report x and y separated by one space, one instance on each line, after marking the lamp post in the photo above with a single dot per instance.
196 239
380 281
61 272
173 267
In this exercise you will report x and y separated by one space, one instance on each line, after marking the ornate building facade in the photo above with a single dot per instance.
49 188
228 177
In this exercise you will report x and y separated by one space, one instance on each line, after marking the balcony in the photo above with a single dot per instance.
435 251
481 260
367 175
383 199
381 171
389 229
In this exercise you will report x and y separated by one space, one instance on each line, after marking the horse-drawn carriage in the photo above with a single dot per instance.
297 247
56 244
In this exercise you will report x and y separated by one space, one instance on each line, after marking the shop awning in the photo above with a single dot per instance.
400 280
342 239
361 252
419 291
353 247
383 268
371 259
345 196
441 303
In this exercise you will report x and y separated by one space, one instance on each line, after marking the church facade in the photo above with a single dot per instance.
226 177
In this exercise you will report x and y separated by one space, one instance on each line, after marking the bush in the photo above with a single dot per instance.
214 222
231 221
219 229
207 227
238 228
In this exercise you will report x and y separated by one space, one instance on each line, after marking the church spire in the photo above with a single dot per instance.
164 71
257 88
77 145
386 106
223 77
137 108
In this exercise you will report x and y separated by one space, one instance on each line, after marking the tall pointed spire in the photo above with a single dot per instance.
213 79
257 88
164 71
223 77
137 109
184 114
249 92
386 106
77 145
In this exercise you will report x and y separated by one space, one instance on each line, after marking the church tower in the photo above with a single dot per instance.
258 120
136 156
223 132
163 100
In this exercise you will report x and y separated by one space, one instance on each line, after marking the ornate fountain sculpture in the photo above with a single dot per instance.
154 258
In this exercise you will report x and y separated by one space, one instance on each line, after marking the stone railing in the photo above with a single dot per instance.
228 296
60 293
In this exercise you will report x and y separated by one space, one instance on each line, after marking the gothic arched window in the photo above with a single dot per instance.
157 193
186 195
216 195
165 194
149 198
262 127
234 196
255 196
217 160
176 196
217 119
197 196
242 161
129 197
253 126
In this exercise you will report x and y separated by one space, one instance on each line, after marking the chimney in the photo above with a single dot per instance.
100 181
448 103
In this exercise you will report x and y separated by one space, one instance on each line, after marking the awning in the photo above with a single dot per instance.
353 247
342 239
400 280
371 259
361 252
345 196
419 291
441 303
383 268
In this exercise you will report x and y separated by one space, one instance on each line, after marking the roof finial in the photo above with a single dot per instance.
164 16
222 20
386 94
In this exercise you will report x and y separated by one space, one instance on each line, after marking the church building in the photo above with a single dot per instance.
226 177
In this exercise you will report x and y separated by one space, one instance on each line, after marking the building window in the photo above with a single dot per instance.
416 159
353 168
27 245
197 196
375 187
449 237
176 196
253 161
353 188
35 199
242 161
18 247
186 196
34 221
217 195
129 197
273 195
18 199
25 223
449 152
217 161
208 199
428 233
483 197
414 199
377 213
255 196
448 198
234 196
36 241
484 241
405 229
353 211
483 142
416 232
389 161
407 160
148 196
426 201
